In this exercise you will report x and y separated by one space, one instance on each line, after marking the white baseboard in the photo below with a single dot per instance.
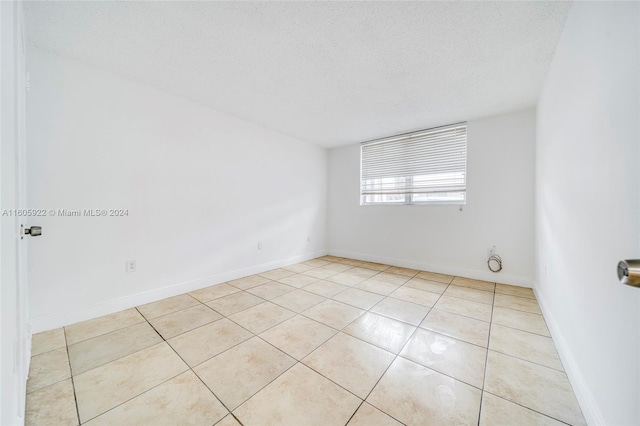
51 321
441 269
585 398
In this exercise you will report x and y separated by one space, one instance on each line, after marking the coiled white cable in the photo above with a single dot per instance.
494 263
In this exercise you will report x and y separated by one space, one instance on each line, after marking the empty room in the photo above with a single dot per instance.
320 213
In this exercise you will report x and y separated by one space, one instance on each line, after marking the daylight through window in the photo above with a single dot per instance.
425 167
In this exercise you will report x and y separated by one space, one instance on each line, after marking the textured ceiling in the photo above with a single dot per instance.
327 72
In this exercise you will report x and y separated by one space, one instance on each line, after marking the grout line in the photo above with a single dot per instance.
136 396
384 297
520 310
157 332
355 411
486 360
396 357
531 362
143 320
73 384
524 331
528 408
462 315
191 369
202 381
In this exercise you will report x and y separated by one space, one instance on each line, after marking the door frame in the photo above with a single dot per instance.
14 330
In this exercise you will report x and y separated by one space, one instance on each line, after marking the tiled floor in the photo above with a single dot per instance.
329 341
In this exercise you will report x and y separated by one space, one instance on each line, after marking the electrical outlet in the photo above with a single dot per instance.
130 266
259 245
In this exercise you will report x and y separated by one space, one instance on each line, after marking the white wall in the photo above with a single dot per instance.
202 189
588 207
14 335
440 238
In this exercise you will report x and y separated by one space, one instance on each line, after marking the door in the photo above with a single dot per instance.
14 333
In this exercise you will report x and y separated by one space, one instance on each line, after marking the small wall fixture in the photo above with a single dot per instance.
629 272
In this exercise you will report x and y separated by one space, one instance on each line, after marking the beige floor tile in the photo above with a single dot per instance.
233 303
472 294
403 271
48 368
53 405
316 263
362 272
368 415
338 267
351 262
471 283
325 288
270 290
433 276
416 395
524 345
384 332
517 303
497 411
408 312
297 268
275 274
105 324
248 282
298 300
426 285
330 258
539 388
298 336
47 341
533 323
377 287
183 400
334 314
237 374
182 321
458 326
413 295
167 306
299 397
390 278
297 280
358 298
202 343
515 291
436 379
210 293
109 385
261 317
320 273
464 307
460 360
353 364
346 278
101 350
228 421
375 266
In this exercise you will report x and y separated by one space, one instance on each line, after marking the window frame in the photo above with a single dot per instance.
409 196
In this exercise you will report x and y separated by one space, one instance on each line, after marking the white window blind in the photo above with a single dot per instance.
429 166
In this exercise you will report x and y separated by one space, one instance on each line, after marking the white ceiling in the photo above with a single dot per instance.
327 72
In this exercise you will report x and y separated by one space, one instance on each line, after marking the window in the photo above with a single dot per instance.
425 167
